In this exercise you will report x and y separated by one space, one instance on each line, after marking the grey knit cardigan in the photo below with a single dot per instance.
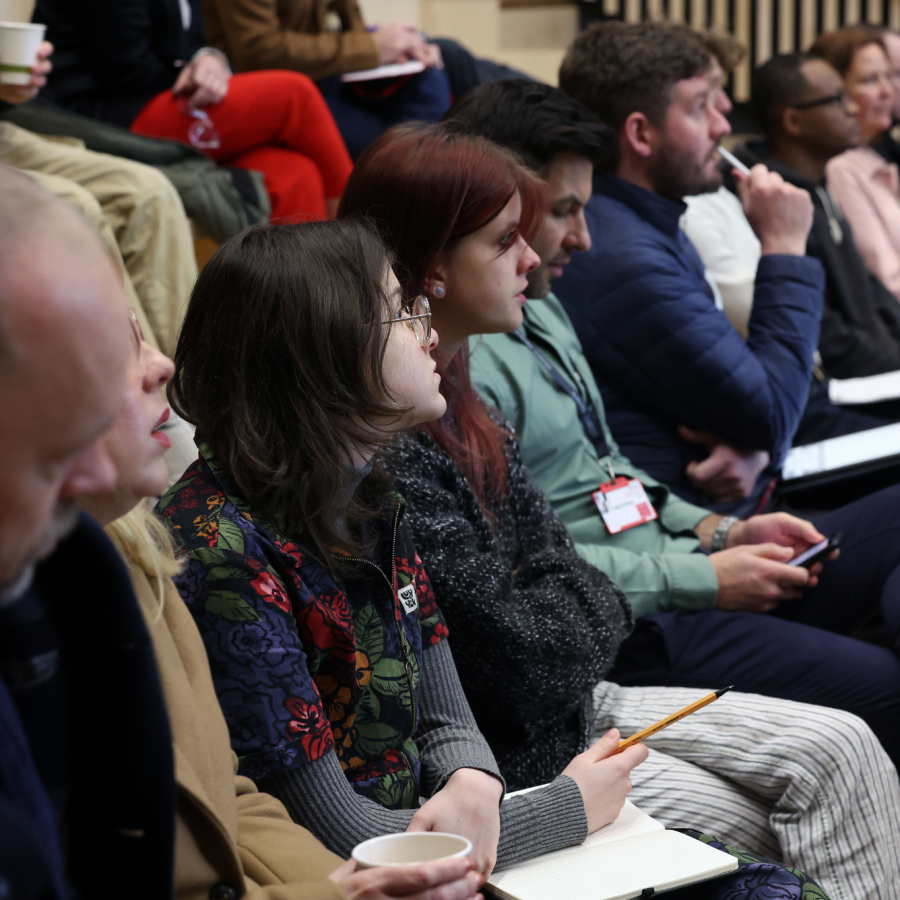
532 625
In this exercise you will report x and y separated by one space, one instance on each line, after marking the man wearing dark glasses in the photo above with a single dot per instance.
808 119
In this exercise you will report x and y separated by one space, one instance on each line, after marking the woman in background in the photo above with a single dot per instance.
300 35
865 185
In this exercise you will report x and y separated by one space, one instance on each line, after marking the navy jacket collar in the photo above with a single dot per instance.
659 211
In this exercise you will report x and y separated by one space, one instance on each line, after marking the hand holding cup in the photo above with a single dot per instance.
24 61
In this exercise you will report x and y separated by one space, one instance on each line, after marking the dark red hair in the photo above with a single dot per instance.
426 188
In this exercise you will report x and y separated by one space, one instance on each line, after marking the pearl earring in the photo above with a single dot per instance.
438 291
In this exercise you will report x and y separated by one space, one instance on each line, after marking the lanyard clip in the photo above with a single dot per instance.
612 474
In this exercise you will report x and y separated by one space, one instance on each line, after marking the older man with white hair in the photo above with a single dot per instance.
62 368
63 353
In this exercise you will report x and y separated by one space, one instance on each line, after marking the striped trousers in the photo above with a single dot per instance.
802 784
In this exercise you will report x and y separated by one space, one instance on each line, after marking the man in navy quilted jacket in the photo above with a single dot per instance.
663 352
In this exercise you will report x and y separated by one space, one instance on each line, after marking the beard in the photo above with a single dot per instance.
538 283
64 520
676 174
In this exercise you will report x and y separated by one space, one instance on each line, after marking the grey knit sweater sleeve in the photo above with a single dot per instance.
448 738
319 797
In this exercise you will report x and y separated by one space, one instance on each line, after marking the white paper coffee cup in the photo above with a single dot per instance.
19 44
409 848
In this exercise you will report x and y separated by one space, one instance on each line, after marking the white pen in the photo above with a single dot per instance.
732 160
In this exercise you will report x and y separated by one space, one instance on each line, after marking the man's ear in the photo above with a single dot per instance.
639 135
791 122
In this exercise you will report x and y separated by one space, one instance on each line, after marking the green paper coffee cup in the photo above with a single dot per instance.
19 44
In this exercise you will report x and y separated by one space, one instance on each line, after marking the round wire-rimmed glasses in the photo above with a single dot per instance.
417 317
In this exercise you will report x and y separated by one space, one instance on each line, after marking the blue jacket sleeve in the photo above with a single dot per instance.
654 331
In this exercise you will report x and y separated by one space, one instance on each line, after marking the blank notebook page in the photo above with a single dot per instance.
664 859
616 862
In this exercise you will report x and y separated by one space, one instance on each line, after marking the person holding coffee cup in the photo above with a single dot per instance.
19 90
328 652
144 65
134 207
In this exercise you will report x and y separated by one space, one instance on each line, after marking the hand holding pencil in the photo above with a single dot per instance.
604 777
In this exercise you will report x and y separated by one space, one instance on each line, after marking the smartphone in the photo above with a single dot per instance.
817 552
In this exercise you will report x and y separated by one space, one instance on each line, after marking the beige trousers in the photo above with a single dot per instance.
134 208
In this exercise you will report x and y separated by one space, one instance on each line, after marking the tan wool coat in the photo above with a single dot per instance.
290 34
227 833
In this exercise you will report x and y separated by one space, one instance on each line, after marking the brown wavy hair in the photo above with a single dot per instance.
279 367
426 187
617 68
840 46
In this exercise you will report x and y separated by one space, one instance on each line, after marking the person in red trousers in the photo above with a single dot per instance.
143 64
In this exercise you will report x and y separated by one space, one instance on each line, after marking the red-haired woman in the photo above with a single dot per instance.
535 628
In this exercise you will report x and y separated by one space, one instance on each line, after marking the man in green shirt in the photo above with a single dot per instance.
657 563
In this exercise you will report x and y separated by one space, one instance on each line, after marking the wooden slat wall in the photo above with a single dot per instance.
764 26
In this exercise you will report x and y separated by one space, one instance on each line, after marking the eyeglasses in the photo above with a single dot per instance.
136 330
417 317
842 98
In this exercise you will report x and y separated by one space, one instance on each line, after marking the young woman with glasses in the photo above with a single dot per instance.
298 360
217 813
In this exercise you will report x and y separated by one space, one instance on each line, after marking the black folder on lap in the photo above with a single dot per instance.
841 457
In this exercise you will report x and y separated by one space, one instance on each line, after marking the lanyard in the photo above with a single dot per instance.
589 418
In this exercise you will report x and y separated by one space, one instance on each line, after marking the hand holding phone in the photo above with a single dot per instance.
817 552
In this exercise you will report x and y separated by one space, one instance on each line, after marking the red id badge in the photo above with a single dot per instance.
623 503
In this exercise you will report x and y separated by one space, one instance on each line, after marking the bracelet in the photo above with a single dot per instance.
721 533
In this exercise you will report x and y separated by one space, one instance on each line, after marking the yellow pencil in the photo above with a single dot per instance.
665 723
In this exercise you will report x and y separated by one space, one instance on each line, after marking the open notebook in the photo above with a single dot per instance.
617 862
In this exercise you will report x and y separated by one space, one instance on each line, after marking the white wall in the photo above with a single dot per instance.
16 10
530 39
375 11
